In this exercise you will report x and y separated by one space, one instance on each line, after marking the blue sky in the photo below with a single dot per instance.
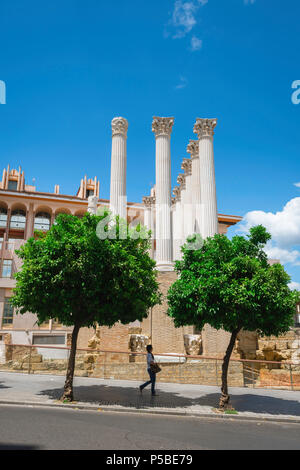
71 66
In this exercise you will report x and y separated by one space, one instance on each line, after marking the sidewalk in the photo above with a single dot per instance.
173 399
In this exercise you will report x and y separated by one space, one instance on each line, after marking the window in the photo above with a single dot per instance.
42 221
8 313
89 192
1 241
3 217
12 185
7 268
18 219
43 339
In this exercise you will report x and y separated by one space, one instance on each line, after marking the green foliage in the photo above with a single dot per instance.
230 285
72 275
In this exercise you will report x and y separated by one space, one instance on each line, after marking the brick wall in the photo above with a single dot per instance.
165 338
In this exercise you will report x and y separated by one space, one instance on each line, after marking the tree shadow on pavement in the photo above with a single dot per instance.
255 404
124 396
106 395
4 446
3 386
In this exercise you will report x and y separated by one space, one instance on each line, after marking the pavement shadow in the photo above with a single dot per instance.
3 386
124 396
4 446
255 404
131 397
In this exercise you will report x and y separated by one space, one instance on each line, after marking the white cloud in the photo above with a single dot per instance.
294 285
183 17
284 226
285 256
182 83
297 185
196 43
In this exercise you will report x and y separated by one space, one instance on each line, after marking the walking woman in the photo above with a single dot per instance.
152 374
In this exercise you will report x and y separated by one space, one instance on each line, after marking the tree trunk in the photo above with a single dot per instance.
68 388
224 400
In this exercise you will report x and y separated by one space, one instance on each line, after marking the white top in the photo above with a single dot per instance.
149 359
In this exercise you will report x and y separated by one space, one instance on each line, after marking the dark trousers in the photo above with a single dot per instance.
151 381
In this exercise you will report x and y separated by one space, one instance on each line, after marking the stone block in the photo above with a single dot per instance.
33 359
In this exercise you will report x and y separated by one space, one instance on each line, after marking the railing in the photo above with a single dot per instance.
128 365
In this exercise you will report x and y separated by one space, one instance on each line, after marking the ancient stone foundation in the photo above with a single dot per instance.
202 372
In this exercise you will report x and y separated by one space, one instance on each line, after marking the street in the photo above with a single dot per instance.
37 428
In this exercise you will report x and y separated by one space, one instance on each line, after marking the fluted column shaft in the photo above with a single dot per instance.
118 199
149 202
193 149
209 214
92 204
188 204
183 216
177 223
162 128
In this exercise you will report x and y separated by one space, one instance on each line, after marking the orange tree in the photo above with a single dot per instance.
230 285
73 274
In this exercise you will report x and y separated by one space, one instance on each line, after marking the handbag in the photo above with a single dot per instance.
155 368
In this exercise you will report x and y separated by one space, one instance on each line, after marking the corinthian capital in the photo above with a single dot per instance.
177 192
162 125
187 166
193 148
181 180
148 201
119 125
205 127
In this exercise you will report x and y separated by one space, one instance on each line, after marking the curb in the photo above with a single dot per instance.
168 412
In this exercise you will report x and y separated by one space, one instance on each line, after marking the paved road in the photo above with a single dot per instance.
71 429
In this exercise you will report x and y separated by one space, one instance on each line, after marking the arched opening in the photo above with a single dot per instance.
18 219
80 214
42 221
62 211
3 216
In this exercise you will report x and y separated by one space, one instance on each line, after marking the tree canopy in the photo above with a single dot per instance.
70 274
81 278
230 285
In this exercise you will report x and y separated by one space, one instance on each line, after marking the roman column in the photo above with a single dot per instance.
193 150
118 200
162 128
182 229
92 204
177 223
188 208
147 212
148 202
204 128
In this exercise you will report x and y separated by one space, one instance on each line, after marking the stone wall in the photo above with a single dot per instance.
282 348
113 366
